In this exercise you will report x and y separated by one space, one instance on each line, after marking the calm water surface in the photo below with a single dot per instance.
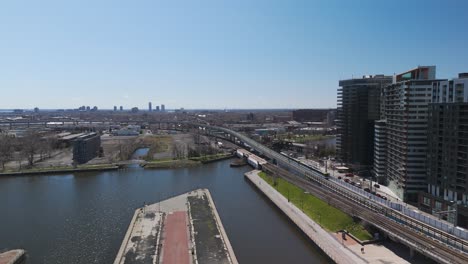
83 217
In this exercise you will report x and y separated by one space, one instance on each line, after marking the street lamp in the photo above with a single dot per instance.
302 200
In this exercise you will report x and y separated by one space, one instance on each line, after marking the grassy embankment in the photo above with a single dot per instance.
160 144
156 144
329 217
179 163
53 169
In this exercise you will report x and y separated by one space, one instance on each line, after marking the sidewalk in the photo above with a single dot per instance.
337 252
340 251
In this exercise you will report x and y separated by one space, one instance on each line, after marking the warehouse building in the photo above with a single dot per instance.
86 147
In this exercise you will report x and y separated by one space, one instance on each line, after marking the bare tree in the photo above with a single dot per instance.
30 145
179 150
6 150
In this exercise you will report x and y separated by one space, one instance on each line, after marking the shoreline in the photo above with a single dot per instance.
319 236
184 163
163 164
106 167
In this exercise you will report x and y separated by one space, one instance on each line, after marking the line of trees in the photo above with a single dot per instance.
27 147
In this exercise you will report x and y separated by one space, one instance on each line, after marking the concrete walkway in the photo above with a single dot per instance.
337 252
340 251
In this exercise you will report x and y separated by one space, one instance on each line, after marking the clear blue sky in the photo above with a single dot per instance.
216 54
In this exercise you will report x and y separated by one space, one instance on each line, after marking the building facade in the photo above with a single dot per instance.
358 108
86 148
447 155
405 109
380 151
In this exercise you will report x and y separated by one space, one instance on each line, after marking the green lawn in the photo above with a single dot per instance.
329 217
210 157
170 163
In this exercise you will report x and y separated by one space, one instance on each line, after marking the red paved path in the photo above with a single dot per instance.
175 245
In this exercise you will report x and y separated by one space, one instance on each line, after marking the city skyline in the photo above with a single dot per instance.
263 54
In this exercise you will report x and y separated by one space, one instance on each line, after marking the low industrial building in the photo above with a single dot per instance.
86 147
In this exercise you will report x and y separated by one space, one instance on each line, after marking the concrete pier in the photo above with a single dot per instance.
15 256
185 229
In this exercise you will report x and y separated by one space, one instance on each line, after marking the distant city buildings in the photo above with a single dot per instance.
358 109
157 108
326 116
115 108
163 108
121 108
150 107
130 130
86 147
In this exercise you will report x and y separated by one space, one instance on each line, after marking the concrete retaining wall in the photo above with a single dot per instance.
328 244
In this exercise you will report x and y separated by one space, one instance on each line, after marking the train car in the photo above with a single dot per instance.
251 160
239 153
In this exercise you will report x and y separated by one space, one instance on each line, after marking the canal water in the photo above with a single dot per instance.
83 217
140 153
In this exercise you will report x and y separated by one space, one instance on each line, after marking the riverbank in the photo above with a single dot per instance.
184 163
329 217
64 169
328 244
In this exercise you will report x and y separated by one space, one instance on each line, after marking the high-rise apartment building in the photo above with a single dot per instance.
121 108
447 154
406 103
380 151
115 108
150 107
358 109
163 108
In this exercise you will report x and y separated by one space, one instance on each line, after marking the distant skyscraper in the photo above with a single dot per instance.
121 108
150 107
358 109
157 108
115 108
163 108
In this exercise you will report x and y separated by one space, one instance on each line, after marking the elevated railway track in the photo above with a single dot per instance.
414 237
436 243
